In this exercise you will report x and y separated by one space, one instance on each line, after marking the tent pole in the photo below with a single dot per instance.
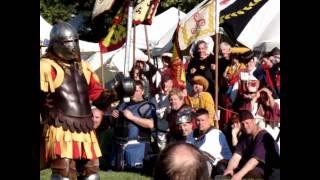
216 58
134 45
128 42
102 69
147 42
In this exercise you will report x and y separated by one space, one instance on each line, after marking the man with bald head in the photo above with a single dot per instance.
181 161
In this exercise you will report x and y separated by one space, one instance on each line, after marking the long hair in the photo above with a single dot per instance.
140 72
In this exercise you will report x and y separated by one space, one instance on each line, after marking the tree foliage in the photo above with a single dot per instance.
55 10
182 5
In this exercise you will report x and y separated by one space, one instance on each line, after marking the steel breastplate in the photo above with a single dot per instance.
71 102
72 96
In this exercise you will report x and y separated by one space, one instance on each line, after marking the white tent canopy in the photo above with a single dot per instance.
85 46
264 28
45 29
113 62
159 35
114 59
95 59
117 61
160 32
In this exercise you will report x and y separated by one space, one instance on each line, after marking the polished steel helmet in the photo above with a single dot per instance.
184 116
64 41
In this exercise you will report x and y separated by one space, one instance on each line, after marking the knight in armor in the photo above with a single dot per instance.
132 132
68 86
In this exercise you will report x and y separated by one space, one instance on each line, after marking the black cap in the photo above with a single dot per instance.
274 51
246 57
244 115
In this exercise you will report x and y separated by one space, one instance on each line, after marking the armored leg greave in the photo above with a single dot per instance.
63 169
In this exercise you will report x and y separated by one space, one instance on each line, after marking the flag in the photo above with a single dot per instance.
101 6
225 3
144 11
197 24
252 22
176 61
117 32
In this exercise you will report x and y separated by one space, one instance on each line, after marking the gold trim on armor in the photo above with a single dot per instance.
48 84
46 81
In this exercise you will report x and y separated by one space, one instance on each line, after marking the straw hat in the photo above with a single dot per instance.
202 81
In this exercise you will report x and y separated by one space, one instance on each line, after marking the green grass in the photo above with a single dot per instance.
45 175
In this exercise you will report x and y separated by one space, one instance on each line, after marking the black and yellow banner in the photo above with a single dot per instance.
235 17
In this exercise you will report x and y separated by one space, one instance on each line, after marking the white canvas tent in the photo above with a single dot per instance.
45 29
159 35
95 63
160 32
113 62
263 30
95 60
117 61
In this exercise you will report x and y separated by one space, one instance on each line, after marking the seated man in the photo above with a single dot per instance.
211 141
256 153
184 123
177 104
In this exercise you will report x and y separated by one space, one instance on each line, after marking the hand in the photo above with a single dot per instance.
236 177
267 91
128 114
115 113
191 54
257 96
213 66
226 77
235 128
193 70
184 92
228 172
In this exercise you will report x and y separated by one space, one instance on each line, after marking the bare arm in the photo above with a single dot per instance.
251 164
225 73
233 163
146 123
255 99
234 132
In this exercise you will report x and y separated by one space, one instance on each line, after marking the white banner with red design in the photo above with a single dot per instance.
200 23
